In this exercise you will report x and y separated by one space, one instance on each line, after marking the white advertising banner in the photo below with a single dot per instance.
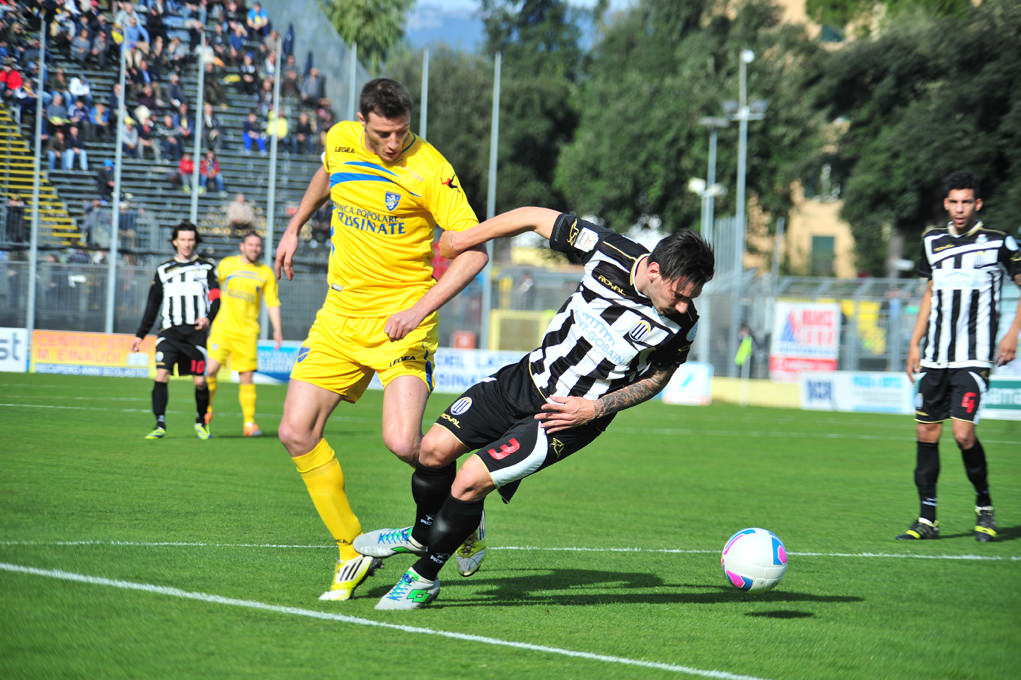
868 392
690 384
13 350
806 337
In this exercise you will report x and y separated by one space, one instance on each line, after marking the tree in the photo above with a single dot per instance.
928 96
655 72
377 26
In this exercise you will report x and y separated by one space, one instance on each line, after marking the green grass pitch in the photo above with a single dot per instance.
126 558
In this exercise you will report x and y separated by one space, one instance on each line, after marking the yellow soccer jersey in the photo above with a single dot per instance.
242 289
384 217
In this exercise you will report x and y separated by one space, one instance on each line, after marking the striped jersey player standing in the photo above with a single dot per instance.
389 190
185 294
613 344
958 319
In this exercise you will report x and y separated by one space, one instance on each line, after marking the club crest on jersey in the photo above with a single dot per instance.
639 330
391 200
461 405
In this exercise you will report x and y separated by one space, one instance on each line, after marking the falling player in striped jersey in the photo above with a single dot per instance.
613 344
185 294
965 262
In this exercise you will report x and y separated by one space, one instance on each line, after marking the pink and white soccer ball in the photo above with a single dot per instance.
754 560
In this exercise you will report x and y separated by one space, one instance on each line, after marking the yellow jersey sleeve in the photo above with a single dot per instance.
384 220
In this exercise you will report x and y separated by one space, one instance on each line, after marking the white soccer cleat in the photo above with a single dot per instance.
471 553
411 592
388 542
348 575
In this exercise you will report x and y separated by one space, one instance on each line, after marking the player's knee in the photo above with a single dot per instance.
965 440
472 482
404 446
296 440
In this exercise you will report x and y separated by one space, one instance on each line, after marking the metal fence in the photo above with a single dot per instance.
876 321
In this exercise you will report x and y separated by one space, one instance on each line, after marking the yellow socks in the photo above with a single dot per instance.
211 381
324 479
246 397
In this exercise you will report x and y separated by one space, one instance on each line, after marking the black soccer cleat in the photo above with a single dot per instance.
921 529
985 524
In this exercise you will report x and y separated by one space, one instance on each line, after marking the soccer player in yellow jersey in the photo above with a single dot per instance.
389 190
244 284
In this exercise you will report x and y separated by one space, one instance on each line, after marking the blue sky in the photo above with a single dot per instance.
452 22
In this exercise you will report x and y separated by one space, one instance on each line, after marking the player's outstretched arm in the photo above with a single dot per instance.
510 223
316 194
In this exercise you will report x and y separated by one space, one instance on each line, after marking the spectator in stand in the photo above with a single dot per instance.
269 64
158 59
234 16
80 88
99 122
313 88
10 79
257 21
237 37
140 77
154 23
124 15
278 126
149 138
219 43
303 139
175 91
75 150
182 176
248 72
325 118
101 50
212 132
81 46
113 104
57 115
57 83
129 136
137 40
290 86
240 216
56 145
252 135
147 98
79 117
184 126
105 180
176 54
212 85
169 142
211 177
264 99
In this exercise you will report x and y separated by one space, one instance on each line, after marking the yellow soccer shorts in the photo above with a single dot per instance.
342 353
242 350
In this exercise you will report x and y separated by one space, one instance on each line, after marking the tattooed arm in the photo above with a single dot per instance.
563 413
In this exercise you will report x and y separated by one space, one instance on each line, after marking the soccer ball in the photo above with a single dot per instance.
754 560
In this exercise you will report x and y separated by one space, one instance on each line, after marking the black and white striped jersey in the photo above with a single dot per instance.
181 293
967 272
607 334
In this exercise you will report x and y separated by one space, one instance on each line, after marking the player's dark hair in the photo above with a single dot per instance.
962 179
249 233
185 225
684 254
384 97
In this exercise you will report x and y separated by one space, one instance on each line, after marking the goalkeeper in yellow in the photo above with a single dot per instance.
389 190
245 283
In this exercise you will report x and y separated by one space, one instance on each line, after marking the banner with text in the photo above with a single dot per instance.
806 337
13 350
91 354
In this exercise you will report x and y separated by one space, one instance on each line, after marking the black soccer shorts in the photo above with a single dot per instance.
183 347
950 393
497 417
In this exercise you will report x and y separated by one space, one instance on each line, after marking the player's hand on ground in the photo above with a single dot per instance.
563 413
402 323
284 260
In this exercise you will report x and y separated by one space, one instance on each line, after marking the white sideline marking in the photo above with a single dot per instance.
526 548
295 611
